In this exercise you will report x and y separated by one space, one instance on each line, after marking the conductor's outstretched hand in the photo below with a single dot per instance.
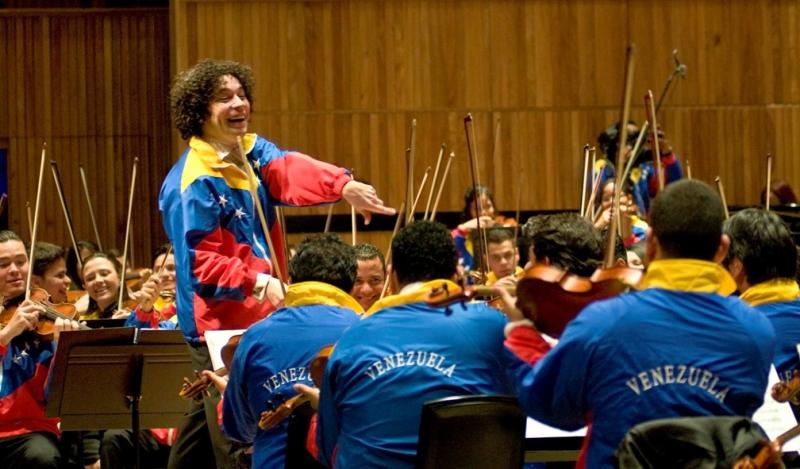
365 200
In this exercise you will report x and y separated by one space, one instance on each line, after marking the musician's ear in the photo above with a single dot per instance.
722 249
736 268
651 247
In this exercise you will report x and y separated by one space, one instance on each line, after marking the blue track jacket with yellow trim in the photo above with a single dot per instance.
674 349
389 364
273 355
26 363
211 220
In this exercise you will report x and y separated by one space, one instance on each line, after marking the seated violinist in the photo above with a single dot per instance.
563 240
85 248
469 222
763 261
370 277
156 298
275 353
632 226
405 354
28 439
101 277
679 347
50 271
503 255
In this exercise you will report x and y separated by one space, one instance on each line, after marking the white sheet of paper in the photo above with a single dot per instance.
775 417
535 429
215 341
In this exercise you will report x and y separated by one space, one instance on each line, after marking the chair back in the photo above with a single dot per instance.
471 431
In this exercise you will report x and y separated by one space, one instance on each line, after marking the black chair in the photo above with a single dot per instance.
471 431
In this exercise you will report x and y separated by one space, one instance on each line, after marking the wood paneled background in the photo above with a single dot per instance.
93 85
342 80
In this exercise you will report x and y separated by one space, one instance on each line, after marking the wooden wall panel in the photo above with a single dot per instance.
342 80
93 85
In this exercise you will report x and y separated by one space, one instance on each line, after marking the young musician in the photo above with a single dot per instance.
50 271
28 439
101 278
679 347
386 366
503 255
763 261
221 258
156 298
469 222
275 353
370 277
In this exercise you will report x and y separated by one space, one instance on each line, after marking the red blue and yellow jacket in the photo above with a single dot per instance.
211 220
22 387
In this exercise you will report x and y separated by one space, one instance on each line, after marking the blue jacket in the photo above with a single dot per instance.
385 367
273 355
211 220
674 349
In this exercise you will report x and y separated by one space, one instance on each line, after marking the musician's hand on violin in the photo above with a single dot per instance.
62 324
310 392
364 199
25 319
509 307
148 294
603 219
220 382
121 314
470 225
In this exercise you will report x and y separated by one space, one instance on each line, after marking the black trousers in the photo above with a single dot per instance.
38 450
200 444
116 451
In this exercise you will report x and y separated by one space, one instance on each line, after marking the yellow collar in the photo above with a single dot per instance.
772 291
205 161
689 275
415 296
211 157
319 293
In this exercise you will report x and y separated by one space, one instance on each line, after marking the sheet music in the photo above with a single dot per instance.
775 417
215 341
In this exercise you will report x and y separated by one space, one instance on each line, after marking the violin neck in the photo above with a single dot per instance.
52 315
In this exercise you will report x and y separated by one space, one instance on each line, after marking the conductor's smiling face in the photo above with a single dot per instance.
229 112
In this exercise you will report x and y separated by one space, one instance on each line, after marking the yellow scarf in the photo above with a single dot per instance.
319 293
420 294
690 275
491 278
772 291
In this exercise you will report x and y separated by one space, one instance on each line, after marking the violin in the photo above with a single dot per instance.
198 388
271 418
45 328
551 297
787 391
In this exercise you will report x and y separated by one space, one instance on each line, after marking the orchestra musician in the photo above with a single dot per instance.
215 224
101 277
275 353
156 299
469 222
503 255
50 271
370 276
678 347
405 354
28 439
763 261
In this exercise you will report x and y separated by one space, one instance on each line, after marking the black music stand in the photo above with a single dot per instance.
116 378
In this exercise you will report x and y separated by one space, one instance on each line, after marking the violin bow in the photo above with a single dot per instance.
253 185
353 225
630 63
122 285
388 256
410 153
282 225
67 214
433 181
585 177
3 200
721 190
472 151
329 218
91 209
417 197
32 254
768 191
654 144
30 217
688 169
679 71
441 185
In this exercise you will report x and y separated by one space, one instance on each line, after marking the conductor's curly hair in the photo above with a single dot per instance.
193 90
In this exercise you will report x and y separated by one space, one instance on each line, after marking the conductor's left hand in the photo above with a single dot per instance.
365 200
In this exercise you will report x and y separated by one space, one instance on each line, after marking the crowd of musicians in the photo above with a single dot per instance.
715 306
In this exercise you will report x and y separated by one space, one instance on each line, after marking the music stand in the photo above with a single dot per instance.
115 378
